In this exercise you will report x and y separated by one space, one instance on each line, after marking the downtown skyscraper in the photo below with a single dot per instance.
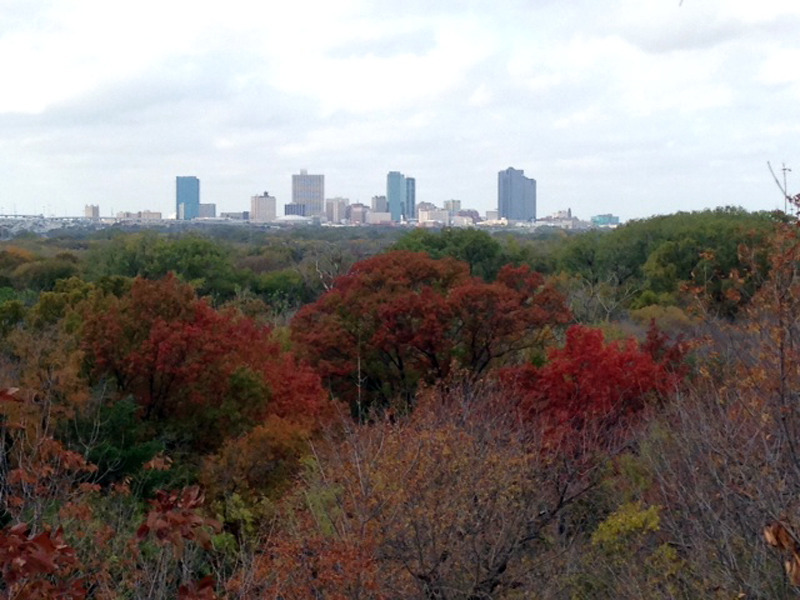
516 195
187 198
411 198
263 208
401 195
309 190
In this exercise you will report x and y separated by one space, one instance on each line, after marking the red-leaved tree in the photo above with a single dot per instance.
401 318
593 384
205 374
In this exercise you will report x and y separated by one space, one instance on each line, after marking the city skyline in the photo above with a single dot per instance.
308 200
635 107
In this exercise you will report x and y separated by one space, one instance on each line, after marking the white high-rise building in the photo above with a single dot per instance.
309 190
262 208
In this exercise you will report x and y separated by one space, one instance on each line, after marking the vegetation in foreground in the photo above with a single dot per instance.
444 415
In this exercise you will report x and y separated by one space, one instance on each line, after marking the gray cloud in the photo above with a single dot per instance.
705 34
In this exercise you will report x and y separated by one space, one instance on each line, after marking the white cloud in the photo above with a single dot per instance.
780 67
374 81
481 96
616 97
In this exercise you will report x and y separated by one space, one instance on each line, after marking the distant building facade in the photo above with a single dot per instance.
516 195
357 213
607 220
295 209
452 206
461 221
411 198
242 215
378 218
142 215
207 211
435 216
469 213
263 208
563 219
336 209
380 204
91 211
309 190
187 198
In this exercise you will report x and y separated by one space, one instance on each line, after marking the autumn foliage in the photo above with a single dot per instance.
591 382
414 432
55 545
38 567
456 499
402 318
204 374
173 519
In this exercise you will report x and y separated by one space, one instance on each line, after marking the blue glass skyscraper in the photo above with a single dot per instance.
396 194
187 198
401 195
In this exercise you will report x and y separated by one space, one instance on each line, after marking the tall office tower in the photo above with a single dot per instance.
309 190
516 195
187 198
411 198
397 195
92 211
263 208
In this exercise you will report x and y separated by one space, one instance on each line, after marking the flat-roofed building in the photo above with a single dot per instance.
263 208
336 209
187 198
207 211
309 190
516 195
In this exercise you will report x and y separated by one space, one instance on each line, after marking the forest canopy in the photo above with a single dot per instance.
403 414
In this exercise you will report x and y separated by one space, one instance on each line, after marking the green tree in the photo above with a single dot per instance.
478 249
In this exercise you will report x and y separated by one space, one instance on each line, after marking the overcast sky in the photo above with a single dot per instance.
634 107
